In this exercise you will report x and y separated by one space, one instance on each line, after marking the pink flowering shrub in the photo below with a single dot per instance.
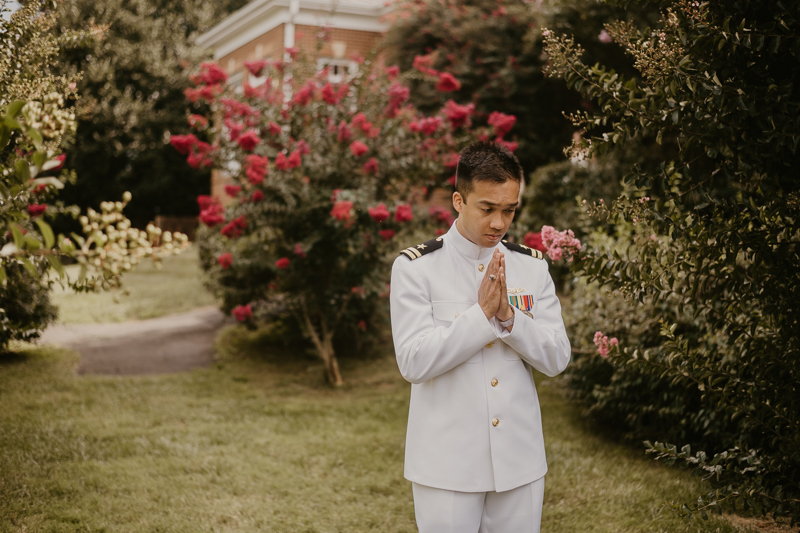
560 244
604 344
327 174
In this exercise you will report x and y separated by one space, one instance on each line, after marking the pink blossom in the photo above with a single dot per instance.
305 94
371 166
294 159
234 228
426 126
256 168
386 234
183 143
398 95
211 212
342 211
274 129
392 72
344 132
299 251
604 344
212 74
234 129
560 243
60 158
242 312
256 68
403 213
445 216
534 240
447 83
362 325
282 263
604 37
360 121
35 210
197 121
502 123
379 213
424 64
225 260
357 148
293 51
329 95
458 115
248 140
232 190
257 196
511 145
281 163
303 147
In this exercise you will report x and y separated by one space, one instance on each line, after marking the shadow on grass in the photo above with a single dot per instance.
267 359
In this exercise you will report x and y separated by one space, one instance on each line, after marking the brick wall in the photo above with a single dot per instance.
358 42
270 45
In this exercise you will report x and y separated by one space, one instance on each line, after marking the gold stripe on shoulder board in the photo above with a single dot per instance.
414 253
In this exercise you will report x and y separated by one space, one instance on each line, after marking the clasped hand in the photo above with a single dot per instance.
492 294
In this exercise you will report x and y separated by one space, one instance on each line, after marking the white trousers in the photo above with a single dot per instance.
445 511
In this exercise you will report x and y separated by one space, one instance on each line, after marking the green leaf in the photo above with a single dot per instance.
38 158
35 136
23 171
14 108
19 237
28 266
3 276
55 262
47 233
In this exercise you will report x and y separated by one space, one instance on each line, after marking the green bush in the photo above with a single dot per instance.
720 90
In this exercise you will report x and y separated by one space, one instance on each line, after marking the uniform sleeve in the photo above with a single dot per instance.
542 341
424 350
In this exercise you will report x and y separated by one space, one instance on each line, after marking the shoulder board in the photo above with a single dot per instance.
521 248
415 252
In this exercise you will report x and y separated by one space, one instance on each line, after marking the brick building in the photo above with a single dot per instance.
263 29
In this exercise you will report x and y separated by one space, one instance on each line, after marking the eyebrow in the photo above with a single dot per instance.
490 204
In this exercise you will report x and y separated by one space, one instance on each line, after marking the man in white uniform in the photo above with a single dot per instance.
471 314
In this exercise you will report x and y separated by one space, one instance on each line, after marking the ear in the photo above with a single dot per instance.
458 202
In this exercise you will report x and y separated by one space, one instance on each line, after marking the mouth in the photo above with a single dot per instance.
493 238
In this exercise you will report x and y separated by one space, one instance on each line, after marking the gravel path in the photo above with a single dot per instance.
172 343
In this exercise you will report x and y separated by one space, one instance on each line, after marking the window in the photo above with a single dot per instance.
339 70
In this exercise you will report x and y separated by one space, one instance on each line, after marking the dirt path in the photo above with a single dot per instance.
172 343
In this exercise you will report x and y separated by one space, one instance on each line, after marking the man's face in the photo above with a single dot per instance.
487 212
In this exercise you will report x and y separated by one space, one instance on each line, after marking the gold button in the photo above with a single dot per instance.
494 384
480 268
495 421
490 345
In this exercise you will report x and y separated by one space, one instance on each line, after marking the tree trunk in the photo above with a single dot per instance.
331 363
324 345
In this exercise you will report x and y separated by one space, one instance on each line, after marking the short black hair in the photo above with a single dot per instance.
483 160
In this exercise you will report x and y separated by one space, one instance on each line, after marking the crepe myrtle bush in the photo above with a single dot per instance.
718 86
328 181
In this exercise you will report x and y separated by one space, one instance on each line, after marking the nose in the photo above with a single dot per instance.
497 222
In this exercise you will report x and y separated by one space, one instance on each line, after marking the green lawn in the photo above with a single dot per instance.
259 443
176 287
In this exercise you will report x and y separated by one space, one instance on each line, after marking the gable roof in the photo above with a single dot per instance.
260 16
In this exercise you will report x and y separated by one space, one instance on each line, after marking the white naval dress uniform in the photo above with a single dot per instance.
474 423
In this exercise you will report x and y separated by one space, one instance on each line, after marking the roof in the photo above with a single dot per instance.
260 16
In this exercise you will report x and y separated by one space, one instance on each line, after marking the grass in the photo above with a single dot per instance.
258 442
175 288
